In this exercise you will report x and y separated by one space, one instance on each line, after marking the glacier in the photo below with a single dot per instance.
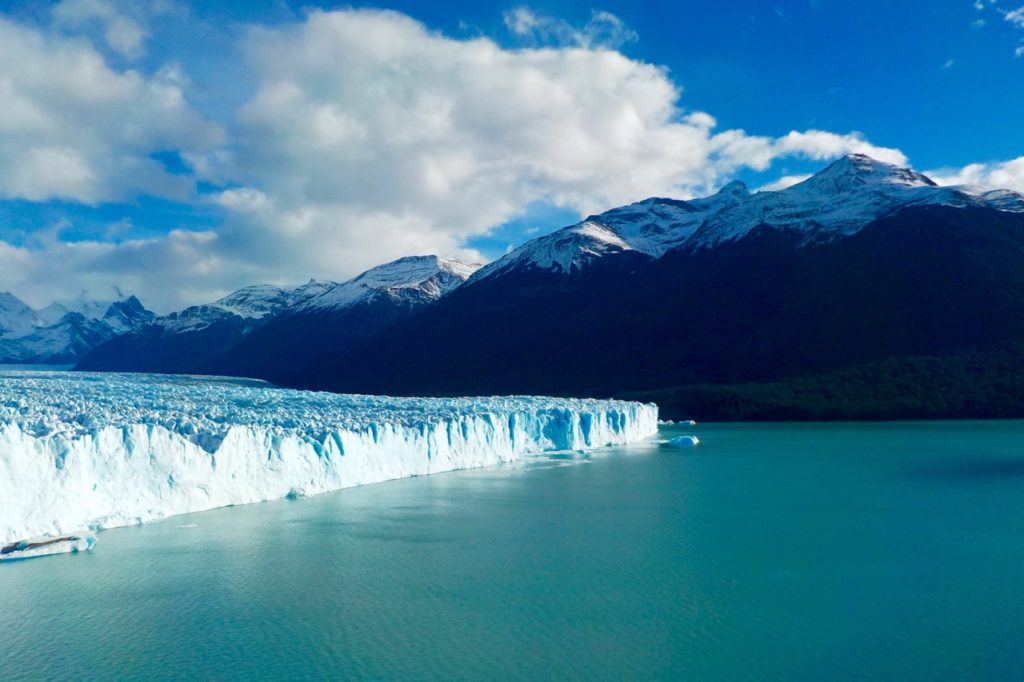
81 450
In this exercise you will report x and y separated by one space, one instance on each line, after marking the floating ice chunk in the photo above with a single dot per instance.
102 450
42 546
684 441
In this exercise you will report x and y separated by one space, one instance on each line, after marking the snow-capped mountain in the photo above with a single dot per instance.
16 317
410 278
64 331
835 203
864 262
248 307
246 329
860 263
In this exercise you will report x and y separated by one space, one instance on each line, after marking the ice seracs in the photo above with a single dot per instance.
82 450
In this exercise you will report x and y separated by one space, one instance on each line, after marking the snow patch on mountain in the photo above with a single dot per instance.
566 250
427 277
837 202
63 331
415 277
247 306
16 317
101 450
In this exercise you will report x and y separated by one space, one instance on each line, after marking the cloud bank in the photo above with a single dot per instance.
73 128
367 137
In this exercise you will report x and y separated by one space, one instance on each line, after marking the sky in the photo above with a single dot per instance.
180 149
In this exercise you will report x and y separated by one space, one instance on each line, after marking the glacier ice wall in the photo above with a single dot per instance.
103 450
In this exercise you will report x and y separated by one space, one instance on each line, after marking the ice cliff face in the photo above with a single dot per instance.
98 451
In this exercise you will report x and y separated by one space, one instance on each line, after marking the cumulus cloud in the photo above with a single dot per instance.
368 137
996 175
371 137
122 24
165 272
820 145
73 128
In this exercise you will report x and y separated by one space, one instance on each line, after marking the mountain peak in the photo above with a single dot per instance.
854 170
7 299
736 188
410 270
431 276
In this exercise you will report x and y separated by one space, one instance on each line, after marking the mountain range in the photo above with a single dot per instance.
737 305
270 332
63 332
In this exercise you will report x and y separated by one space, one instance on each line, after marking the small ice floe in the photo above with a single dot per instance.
42 546
684 441
689 422
665 422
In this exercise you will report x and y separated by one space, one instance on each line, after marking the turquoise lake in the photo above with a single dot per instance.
782 551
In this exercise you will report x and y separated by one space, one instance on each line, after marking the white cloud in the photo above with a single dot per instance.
603 29
1015 17
783 182
166 272
371 137
996 175
73 128
820 145
121 23
368 137
125 36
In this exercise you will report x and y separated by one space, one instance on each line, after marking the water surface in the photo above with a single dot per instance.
830 551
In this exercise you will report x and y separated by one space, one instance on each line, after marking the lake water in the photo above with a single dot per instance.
813 552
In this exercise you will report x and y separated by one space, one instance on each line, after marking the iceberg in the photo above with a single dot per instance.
43 546
685 441
80 450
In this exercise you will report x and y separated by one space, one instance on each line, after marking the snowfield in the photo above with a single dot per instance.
103 450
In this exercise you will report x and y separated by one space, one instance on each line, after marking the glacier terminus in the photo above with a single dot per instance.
92 451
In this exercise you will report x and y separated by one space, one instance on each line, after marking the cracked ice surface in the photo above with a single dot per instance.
102 450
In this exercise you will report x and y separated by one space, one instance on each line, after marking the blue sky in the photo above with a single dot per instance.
182 149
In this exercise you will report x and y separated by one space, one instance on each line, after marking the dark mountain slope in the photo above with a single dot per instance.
925 280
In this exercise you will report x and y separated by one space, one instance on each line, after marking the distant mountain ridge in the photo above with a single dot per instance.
835 203
860 265
253 330
65 331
